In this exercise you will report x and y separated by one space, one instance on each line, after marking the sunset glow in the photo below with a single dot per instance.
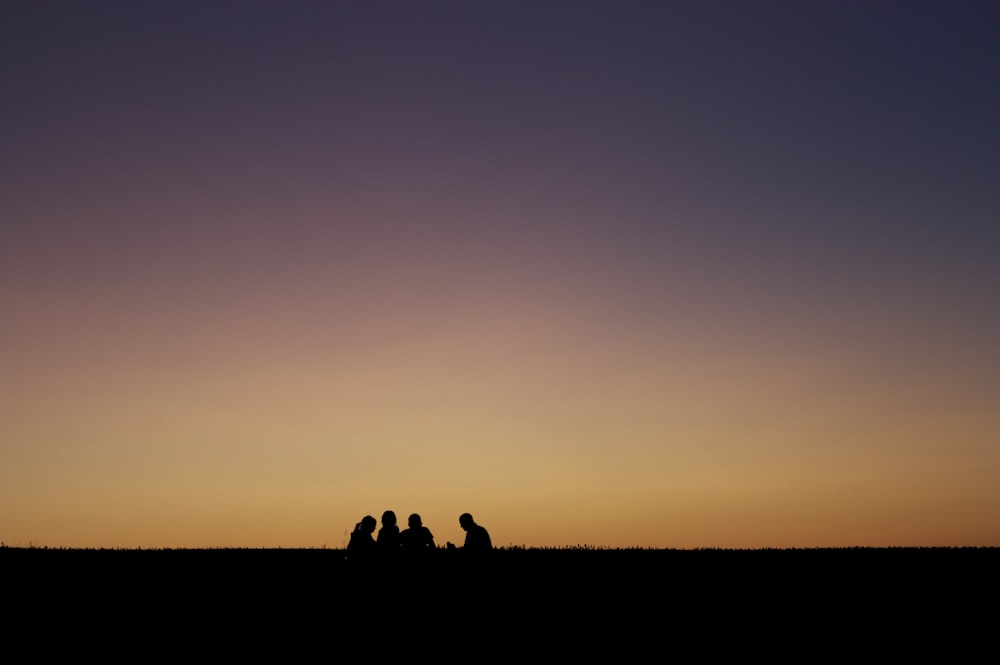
621 274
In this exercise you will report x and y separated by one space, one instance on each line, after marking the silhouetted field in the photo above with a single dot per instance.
653 567
893 600
528 572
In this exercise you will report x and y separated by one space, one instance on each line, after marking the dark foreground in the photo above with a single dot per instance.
554 603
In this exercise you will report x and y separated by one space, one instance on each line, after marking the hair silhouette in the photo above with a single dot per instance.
388 543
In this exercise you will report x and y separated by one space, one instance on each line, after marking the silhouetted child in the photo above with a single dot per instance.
416 539
361 547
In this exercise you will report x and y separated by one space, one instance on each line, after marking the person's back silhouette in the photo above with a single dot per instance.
416 539
388 543
361 546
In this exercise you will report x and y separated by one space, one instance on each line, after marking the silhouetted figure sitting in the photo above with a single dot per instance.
388 542
477 538
361 546
416 539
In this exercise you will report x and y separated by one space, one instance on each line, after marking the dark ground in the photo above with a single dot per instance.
550 604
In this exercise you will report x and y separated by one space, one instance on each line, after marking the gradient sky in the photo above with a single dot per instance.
671 274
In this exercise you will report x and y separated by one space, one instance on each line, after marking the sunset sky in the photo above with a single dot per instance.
671 274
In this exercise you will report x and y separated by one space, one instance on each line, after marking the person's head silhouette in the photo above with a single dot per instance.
388 518
466 521
414 521
367 524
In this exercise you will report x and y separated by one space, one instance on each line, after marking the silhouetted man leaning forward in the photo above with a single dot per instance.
477 538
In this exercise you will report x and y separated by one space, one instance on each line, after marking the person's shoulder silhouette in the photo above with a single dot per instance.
361 546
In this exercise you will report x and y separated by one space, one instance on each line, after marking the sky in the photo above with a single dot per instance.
676 274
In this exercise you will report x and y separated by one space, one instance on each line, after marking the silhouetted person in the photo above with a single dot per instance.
388 542
477 538
416 539
361 546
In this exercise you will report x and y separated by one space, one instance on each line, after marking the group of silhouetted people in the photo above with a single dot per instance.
415 542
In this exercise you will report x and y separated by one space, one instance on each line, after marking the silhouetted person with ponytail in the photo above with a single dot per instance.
361 547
